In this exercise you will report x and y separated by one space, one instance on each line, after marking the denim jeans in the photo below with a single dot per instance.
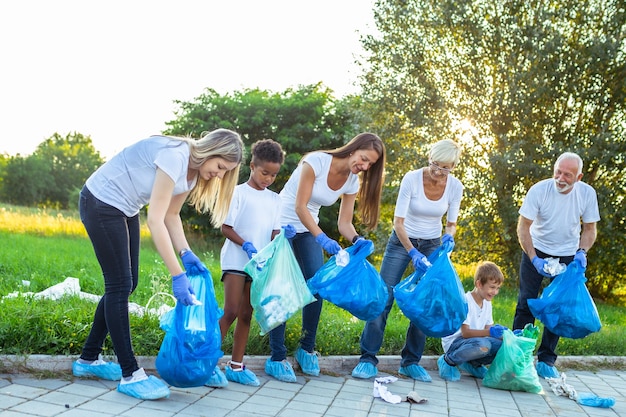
395 261
115 239
475 350
529 286
310 257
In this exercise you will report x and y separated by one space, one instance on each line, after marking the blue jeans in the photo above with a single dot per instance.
529 286
475 350
310 258
115 240
395 261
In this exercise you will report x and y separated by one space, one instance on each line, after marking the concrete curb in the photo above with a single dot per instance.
328 364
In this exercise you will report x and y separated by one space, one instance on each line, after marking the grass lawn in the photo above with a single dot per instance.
41 248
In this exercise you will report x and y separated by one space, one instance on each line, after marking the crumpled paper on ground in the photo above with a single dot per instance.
71 286
381 391
562 388
414 398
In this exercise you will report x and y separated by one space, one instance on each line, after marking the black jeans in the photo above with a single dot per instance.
115 239
529 286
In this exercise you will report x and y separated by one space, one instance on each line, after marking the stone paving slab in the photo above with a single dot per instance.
334 393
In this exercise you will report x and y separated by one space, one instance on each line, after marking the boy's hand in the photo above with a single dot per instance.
497 330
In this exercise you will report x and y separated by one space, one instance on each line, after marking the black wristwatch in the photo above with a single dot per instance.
581 249
357 237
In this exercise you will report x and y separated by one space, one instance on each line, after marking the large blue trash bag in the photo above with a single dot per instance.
435 300
512 369
192 343
356 287
278 289
565 307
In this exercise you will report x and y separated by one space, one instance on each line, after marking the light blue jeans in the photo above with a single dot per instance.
475 350
395 261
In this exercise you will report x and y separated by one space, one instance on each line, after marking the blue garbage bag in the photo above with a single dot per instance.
278 289
356 287
192 343
565 307
434 300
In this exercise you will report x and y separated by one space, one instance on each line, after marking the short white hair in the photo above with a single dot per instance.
570 155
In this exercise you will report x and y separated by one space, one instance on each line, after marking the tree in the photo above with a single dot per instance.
25 180
58 167
517 83
301 120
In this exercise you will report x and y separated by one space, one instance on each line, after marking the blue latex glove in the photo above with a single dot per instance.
181 287
539 263
518 332
249 248
447 238
420 262
191 260
331 246
581 258
290 231
496 331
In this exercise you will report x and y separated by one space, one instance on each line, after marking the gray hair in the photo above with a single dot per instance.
570 155
446 151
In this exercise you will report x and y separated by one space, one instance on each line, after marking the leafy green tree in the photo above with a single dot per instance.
72 159
49 176
517 83
25 180
301 120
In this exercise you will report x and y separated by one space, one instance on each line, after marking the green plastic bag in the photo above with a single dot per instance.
513 369
278 288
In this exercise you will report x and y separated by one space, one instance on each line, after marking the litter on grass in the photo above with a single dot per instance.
71 287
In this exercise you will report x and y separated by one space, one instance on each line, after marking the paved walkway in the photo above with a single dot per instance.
335 393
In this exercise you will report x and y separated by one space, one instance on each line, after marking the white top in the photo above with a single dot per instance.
477 319
253 214
422 217
556 217
321 195
125 181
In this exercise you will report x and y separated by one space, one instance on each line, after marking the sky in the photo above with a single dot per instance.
113 69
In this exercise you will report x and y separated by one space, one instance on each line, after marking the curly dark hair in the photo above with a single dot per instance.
267 150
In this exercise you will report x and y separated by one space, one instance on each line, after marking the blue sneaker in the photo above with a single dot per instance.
143 386
281 370
98 368
475 371
218 379
447 372
364 370
241 375
546 371
416 372
308 362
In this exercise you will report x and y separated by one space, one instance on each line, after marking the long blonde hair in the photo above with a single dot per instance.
214 195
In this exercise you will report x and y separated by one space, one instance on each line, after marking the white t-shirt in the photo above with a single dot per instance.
321 195
422 217
253 214
125 181
556 217
477 319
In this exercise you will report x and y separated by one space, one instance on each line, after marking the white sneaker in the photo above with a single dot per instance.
138 375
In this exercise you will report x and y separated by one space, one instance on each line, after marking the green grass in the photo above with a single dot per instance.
45 247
